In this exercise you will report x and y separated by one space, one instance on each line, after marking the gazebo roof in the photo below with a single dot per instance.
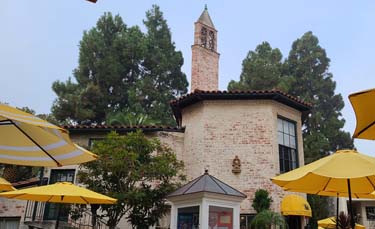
207 183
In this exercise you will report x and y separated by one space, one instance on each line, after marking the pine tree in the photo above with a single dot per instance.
163 79
121 68
308 63
261 69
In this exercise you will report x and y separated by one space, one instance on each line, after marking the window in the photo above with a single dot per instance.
92 141
370 213
220 217
203 37
10 222
288 154
211 40
188 218
245 221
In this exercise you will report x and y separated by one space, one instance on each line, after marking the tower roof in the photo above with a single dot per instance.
205 18
207 183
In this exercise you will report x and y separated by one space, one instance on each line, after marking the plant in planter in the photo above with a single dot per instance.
343 221
262 201
268 219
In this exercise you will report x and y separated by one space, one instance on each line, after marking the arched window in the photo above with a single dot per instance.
211 40
204 37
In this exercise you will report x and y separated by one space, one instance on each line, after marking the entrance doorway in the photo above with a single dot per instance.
294 222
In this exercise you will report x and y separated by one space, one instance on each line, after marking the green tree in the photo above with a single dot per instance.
319 208
120 68
128 169
262 201
163 79
261 70
268 219
109 58
309 64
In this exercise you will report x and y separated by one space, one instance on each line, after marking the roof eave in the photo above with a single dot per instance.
179 104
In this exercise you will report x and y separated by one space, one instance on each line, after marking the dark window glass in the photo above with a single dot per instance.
286 137
370 213
245 221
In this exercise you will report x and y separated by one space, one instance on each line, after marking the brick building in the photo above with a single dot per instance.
241 137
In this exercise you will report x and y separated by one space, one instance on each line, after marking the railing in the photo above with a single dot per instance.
34 214
85 222
34 211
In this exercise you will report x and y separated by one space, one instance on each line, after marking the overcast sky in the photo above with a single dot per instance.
39 40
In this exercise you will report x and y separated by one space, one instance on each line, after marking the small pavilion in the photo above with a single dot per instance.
205 202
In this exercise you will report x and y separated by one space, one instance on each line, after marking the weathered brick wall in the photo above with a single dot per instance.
205 63
217 131
12 208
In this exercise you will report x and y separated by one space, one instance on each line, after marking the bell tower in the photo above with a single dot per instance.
205 58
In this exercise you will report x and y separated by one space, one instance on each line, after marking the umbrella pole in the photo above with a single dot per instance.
58 216
352 223
337 210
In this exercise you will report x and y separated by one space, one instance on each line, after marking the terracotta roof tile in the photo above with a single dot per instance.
25 183
123 128
200 95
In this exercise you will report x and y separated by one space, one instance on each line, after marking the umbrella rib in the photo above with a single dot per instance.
84 200
364 129
31 139
373 186
50 198
325 186
15 196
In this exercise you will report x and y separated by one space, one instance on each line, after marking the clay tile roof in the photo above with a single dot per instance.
121 128
206 19
207 183
200 95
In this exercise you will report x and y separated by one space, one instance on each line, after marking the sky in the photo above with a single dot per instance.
39 40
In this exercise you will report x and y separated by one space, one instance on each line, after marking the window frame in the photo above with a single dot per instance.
288 148
91 141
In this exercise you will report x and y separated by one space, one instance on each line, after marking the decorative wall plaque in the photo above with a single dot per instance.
236 165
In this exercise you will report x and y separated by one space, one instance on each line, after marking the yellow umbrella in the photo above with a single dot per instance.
330 222
363 105
295 205
60 192
28 140
5 185
343 173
